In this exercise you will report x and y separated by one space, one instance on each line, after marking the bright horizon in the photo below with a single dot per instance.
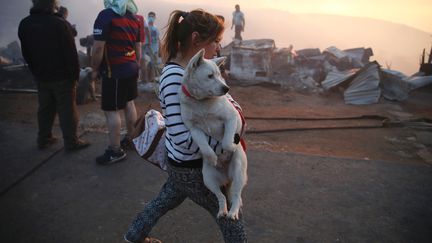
414 13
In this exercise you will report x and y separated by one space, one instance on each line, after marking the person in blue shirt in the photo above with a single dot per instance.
152 46
238 22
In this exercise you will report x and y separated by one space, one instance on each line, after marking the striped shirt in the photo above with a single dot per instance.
179 143
120 34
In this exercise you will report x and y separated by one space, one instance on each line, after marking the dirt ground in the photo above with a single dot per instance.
396 144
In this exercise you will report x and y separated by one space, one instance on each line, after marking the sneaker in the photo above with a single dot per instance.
110 156
79 144
47 142
127 144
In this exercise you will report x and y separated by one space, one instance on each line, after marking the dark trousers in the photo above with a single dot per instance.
57 97
238 29
184 183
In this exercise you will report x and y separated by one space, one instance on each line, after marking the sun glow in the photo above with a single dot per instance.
415 13
333 8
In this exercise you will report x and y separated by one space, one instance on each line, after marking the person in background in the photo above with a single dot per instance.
115 57
64 13
238 22
143 63
49 49
187 33
152 46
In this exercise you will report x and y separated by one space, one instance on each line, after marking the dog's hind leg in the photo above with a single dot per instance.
212 182
238 167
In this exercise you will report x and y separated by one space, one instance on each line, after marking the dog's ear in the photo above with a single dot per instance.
219 60
197 59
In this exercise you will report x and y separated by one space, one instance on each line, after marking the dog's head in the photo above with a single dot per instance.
203 79
85 73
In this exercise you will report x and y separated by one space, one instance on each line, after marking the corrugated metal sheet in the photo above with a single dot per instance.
336 52
258 44
251 60
360 55
335 78
394 85
419 81
364 89
309 52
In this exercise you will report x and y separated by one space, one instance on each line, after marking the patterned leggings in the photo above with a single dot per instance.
183 183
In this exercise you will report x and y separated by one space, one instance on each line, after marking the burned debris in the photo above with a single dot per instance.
350 71
14 73
426 67
251 59
11 54
15 76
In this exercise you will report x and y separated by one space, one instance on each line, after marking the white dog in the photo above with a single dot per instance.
85 86
207 111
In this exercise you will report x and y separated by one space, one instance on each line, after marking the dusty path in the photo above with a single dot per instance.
392 144
355 185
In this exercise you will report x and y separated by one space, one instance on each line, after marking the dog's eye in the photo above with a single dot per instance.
211 75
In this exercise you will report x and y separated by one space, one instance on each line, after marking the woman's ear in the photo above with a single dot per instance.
196 41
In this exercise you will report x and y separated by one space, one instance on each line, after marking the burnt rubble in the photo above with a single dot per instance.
249 62
11 54
350 71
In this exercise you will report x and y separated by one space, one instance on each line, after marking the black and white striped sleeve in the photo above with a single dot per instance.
179 140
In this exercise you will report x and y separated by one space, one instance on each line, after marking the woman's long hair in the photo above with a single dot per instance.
182 24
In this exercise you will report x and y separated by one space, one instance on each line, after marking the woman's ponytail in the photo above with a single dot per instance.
170 40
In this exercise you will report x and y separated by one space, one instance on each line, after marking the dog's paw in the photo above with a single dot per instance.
222 213
229 146
211 159
233 214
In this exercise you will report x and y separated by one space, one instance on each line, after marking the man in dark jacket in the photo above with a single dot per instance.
49 49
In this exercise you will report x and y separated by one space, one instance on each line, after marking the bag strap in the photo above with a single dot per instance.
139 126
154 144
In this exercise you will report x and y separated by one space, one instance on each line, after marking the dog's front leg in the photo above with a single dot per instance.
212 182
201 140
230 128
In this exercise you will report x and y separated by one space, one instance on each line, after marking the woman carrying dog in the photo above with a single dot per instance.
187 33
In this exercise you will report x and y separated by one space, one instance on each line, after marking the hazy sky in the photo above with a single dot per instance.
297 22
415 13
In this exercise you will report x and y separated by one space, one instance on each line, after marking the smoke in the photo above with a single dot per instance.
11 13
392 43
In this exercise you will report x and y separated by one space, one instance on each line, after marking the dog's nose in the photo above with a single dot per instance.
225 89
